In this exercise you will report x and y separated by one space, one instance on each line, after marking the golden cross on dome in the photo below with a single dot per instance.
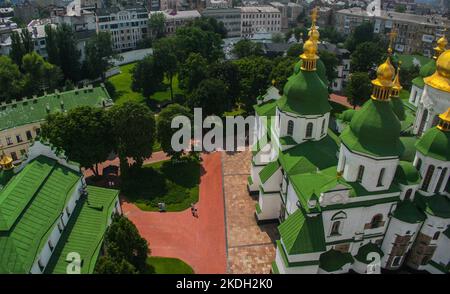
314 12
392 35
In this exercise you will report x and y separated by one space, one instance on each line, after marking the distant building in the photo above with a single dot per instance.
343 68
47 208
219 4
128 26
20 121
259 18
175 19
416 33
26 11
230 17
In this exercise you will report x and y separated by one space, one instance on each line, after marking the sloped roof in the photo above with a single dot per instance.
435 143
407 174
334 260
407 212
269 170
267 108
85 230
364 251
42 190
302 234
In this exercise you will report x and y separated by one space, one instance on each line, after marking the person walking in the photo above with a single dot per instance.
193 209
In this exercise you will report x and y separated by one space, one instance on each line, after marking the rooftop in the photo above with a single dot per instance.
26 111
259 9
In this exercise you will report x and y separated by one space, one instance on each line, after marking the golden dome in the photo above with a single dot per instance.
441 78
442 42
444 123
314 34
309 48
6 162
385 73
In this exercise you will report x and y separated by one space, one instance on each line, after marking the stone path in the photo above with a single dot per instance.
250 248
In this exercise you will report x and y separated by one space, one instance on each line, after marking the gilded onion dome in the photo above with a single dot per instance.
6 162
436 141
382 85
441 78
309 56
441 45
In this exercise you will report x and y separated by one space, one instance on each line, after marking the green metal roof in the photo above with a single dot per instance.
398 108
320 69
407 212
85 230
35 109
364 251
334 260
418 81
267 108
305 94
374 130
437 205
45 187
435 143
407 174
268 170
302 234
347 115
287 140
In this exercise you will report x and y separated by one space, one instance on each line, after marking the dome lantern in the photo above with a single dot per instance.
441 78
6 162
444 121
397 87
382 85
309 56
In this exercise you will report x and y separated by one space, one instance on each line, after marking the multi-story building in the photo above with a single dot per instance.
343 68
47 208
230 17
21 120
284 14
259 18
416 33
127 25
352 202
175 19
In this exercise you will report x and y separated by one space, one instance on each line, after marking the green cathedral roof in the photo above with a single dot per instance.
305 94
407 212
425 71
398 107
437 205
365 250
407 174
320 69
435 143
374 130
334 260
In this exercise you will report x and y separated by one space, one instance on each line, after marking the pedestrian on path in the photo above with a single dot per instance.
193 209
195 212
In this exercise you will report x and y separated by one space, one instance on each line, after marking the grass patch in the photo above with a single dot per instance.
166 265
173 182
122 83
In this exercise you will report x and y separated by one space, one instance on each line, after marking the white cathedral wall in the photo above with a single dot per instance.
441 255
270 204
292 199
415 95
435 101
372 168
432 225
285 269
274 182
439 166
405 188
300 123
397 228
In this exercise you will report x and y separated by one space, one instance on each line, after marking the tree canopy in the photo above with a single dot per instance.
210 95
366 57
358 88
246 48
147 76
11 81
192 72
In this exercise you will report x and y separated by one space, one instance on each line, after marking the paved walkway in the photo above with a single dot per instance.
250 248
198 241
341 100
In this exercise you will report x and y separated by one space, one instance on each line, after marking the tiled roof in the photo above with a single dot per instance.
35 109
85 230
268 171
32 202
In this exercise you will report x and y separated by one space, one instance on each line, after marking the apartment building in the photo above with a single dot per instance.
175 19
127 25
259 18
230 17
415 33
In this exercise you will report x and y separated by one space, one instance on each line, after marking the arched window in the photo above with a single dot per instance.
323 127
360 173
377 221
408 194
290 128
380 177
427 179
335 228
435 121
436 235
309 130
423 121
441 180
419 164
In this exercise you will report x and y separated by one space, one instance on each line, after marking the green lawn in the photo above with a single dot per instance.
175 184
122 83
166 265
408 60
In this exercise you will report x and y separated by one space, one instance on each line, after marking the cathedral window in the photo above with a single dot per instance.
408 194
360 173
290 128
427 179
323 127
419 164
441 180
396 261
380 177
335 228
377 221
309 130
436 235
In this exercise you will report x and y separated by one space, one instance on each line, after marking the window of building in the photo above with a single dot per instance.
68 211
441 180
380 177
38 131
50 245
309 130
428 176
323 127
9 141
436 235
29 136
408 194
360 173
41 265
377 221
14 156
19 138
335 228
396 261
419 164
290 128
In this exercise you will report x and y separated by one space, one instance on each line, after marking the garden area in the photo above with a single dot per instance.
122 83
167 265
173 182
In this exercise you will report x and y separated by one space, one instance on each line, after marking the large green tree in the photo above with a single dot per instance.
192 72
227 72
164 129
192 39
283 69
99 55
331 62
165 52
39 74
366 56
362 33
210 24
125 250
246 48
134 132
210 95
254 73
358 88
295 50
21 44
156 25
11 80
84 134
147 76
